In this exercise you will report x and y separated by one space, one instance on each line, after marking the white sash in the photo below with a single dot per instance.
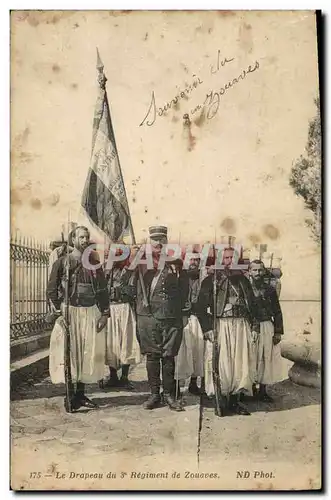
154 283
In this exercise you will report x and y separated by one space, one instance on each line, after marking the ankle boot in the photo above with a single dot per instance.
178 394
263 396
152 402
239 406
81 399
172 402
193 387
153 367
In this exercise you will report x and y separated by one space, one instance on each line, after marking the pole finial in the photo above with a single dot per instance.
99 62
101 76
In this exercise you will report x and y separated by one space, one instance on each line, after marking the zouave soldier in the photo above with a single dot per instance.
122 348
236 329
88 315
189 361
267 361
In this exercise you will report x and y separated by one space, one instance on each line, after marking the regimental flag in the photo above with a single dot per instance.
104 198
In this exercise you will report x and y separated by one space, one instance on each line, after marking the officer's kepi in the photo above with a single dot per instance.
158 234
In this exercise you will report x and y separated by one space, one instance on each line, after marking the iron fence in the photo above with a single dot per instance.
28 281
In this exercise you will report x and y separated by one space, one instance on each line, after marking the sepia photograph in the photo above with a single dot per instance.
165 250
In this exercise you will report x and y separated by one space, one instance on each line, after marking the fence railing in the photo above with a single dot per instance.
28 282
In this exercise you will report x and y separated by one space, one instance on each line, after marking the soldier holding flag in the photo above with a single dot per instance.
122 348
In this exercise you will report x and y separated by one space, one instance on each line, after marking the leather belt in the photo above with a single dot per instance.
235 312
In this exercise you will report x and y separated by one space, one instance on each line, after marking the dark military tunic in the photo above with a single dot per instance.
88 298
234 299
122 347
86 287
235 318
194 290
115 290
160 323
267 306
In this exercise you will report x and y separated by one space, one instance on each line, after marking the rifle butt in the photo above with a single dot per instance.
69 388
69 393
68 405
219 402
219 412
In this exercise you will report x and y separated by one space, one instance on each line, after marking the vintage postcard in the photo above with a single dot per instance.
165 254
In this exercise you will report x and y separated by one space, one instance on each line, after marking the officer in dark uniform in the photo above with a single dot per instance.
160 323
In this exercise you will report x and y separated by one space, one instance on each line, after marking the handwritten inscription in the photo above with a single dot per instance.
220 63
212 101
154 111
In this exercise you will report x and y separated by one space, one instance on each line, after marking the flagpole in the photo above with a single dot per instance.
102 79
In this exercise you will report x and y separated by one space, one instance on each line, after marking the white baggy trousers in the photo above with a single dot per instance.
87 347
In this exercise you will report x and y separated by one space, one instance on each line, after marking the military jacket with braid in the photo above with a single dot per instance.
267 306
234 299
167 292
86 287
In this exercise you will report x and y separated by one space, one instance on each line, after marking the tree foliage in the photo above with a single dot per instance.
305 176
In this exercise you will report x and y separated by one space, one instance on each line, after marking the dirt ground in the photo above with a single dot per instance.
122 446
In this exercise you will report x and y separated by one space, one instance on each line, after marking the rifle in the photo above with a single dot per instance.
201 408
69 389
270 267
219 410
